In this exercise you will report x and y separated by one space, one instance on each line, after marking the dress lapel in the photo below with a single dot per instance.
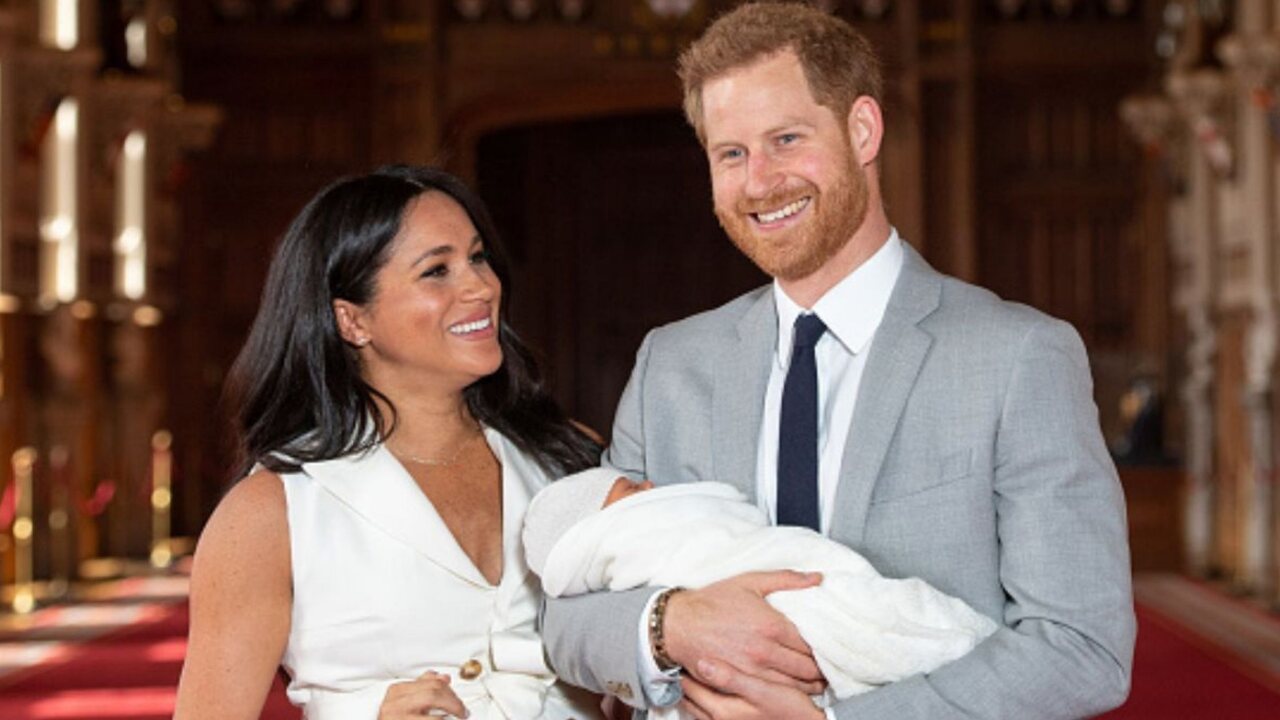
376 486
518 600
522 478
741 377
897 354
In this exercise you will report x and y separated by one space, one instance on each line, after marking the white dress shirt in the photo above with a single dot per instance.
852 311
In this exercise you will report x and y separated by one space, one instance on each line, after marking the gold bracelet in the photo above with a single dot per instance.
656 639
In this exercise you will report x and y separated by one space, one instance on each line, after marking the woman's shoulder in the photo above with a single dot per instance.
241 596
250 523
260 494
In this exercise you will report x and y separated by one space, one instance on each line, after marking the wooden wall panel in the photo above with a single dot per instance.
1006 165
1059 226
298 94
610 221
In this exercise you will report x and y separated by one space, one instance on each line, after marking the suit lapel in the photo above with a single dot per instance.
741 377
376 487
896 356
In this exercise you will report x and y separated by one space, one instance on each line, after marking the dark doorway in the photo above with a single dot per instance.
610 225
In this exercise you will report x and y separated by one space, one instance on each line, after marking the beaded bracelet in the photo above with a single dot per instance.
656 639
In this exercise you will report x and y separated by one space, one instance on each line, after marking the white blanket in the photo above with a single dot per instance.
865 630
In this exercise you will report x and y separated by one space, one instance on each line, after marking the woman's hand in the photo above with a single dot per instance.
415 698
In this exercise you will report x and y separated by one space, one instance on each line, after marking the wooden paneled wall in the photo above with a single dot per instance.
1005 163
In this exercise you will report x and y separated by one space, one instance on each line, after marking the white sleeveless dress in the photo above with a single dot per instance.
382 593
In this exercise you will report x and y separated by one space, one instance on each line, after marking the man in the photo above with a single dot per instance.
925 423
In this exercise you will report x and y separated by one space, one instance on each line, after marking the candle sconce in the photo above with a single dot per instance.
161 498
24 594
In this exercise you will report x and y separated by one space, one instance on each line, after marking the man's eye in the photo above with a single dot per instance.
731 154
787 138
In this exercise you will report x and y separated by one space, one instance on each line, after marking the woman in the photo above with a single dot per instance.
393 428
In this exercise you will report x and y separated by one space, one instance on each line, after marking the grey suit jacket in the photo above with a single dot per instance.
974 461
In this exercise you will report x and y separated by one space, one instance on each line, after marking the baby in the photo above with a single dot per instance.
597 531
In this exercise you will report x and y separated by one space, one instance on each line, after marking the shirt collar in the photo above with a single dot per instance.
853 308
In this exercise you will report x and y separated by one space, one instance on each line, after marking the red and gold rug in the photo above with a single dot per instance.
118 654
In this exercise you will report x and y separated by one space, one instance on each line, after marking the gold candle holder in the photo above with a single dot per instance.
161 498
60 542
24 592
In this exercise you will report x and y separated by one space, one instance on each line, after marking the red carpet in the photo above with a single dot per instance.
1179 675
132 672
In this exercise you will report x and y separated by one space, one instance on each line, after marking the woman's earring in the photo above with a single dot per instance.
361 342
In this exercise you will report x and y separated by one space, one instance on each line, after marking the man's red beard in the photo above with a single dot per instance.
799 252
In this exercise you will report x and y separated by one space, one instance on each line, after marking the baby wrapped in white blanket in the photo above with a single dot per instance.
865 630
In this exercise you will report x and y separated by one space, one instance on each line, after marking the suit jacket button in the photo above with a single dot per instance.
470 670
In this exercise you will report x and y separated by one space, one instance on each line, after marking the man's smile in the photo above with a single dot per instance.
782 213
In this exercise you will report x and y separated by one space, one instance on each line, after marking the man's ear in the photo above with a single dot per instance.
351 324
866 129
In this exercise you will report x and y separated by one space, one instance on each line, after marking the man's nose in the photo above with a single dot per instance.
763 175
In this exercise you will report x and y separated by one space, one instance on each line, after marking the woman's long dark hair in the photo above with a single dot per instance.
296 390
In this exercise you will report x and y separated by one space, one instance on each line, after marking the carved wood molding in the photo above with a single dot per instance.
119 107
1202 99
1254 59
467 124
188 127
39 79
1151 118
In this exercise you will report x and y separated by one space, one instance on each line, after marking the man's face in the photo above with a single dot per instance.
788 188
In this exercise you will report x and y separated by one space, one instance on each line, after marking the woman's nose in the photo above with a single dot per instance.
480 282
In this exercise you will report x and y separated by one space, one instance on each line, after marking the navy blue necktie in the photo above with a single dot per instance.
798 430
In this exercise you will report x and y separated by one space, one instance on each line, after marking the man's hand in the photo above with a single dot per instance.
731 622
732 695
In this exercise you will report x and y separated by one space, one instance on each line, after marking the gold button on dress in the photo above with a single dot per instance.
470 670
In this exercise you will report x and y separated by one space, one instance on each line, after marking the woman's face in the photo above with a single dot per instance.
432 323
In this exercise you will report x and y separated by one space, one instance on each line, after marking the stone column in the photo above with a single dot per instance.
1197 96
1253 59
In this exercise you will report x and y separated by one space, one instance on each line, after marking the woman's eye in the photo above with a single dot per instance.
480 257
436 271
